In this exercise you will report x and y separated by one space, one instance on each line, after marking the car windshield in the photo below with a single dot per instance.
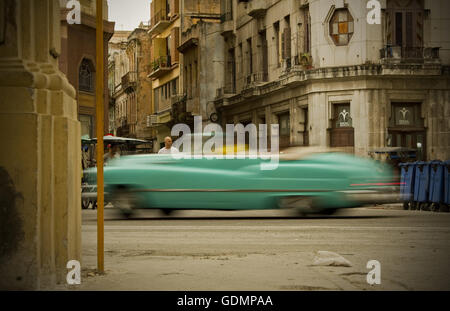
300 153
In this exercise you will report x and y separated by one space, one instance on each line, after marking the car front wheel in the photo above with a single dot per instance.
124 200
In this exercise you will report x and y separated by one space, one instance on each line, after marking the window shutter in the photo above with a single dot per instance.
283 44
419 29
389 27
409 29
152 13
174 7
287 42
175 33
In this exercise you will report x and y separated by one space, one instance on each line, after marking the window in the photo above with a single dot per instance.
276 29
86 125
169 50
404 26
86 78
341 27
156 99
307 31
174 83
406 115
342 132
284 129
185 80
241 60
286 39
264 53
406 128
250 56
342 116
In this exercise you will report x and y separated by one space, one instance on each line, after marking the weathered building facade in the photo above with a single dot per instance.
137 85
78 61
164 69
40 174
131 89
118 65
187 66
202 61
328 78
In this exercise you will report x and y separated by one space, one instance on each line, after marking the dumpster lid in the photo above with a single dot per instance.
393 149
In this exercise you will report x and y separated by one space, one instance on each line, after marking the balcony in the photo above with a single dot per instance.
228 90
160 66
227 23
152 120
189 39
129 81
256 78
257 8
160 21
417 55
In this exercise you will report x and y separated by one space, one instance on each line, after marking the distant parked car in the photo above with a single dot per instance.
308 181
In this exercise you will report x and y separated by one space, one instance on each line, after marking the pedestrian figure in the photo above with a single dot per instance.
112 154
168 149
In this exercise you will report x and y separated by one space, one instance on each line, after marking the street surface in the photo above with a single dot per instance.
267 250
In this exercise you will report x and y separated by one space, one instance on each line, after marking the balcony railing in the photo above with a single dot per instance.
258 77
160 20
160 65
161 62
228 16
228 89
159 16
257 8
129 80
409 53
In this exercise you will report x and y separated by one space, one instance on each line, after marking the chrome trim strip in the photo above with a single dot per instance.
230 190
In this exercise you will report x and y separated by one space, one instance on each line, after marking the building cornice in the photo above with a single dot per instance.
299 77
90 21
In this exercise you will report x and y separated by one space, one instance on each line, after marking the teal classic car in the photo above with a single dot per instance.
310 182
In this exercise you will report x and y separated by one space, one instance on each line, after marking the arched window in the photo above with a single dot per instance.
86 76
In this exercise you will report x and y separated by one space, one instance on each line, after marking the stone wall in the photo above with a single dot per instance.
40 172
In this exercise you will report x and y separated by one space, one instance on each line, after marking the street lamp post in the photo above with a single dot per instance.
100 123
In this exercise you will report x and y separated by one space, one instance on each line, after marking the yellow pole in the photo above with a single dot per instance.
100 133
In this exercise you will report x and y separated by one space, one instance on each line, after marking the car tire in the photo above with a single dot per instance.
305 206
167 211
124 201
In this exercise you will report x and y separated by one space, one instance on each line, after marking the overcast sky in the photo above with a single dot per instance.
128 13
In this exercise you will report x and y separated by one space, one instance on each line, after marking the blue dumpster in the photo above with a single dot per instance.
447 182
436 189
421 182
407 181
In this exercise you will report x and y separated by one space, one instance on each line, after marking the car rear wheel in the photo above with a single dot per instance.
167 211
304 206
124 200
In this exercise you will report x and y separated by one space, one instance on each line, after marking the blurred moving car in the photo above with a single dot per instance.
308 180
89 181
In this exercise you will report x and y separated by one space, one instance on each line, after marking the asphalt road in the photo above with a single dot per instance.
267 250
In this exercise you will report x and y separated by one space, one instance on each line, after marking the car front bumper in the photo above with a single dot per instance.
365 197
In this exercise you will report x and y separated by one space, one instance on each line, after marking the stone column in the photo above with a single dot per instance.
40 165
